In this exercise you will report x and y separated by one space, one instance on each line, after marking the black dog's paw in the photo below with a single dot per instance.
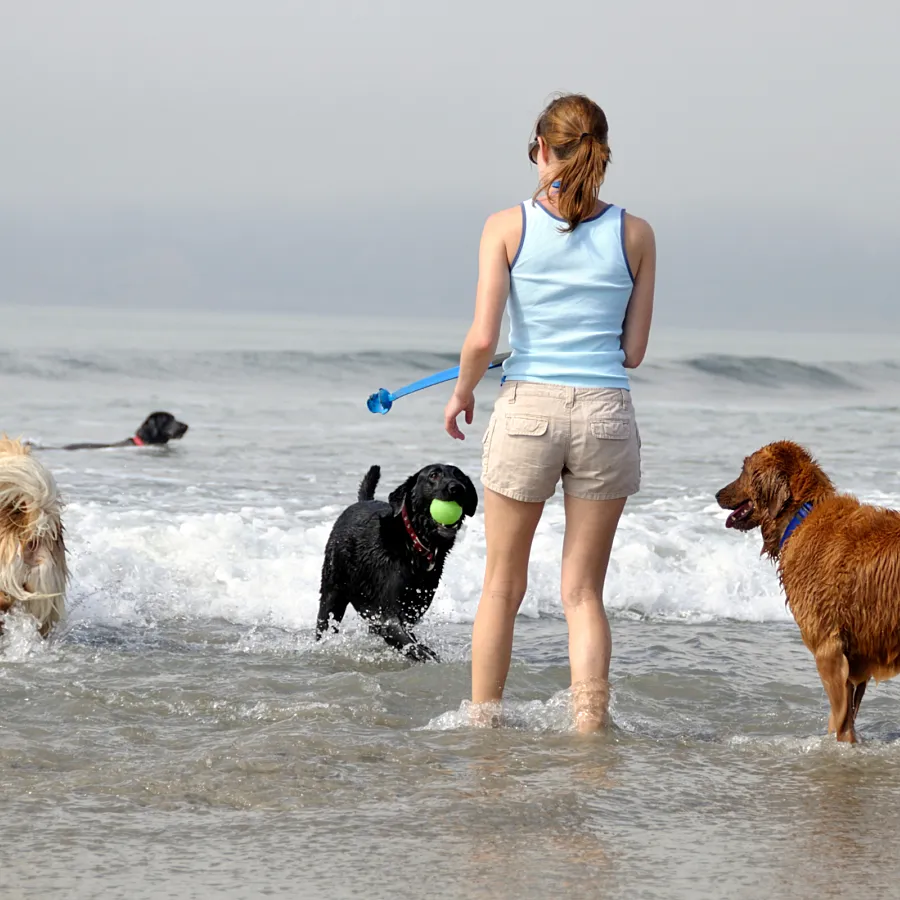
421 653
326 630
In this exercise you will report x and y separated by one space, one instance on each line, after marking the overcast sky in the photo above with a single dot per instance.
338 156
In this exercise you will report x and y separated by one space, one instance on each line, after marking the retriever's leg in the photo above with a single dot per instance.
332 606
857 695
834 670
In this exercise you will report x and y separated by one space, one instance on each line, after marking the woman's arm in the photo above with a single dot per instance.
640 247
501 231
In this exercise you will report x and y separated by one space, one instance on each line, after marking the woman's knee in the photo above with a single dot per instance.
506 592
575 598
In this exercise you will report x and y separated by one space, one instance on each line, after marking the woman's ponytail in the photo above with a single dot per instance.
576 130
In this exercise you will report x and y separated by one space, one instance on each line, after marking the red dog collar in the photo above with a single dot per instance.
137 441
416 542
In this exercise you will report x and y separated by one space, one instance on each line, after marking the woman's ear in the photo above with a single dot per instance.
398 495
543 150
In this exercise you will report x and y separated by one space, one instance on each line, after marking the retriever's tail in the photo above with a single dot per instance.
369 483
33 568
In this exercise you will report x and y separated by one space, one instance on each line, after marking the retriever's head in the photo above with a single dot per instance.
160 428
436 482
774 483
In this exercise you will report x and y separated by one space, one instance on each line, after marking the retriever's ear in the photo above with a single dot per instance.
774 490
398 495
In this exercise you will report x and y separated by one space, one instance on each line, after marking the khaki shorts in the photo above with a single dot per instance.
540 433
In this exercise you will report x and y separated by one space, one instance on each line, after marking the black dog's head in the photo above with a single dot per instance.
438 482
160 428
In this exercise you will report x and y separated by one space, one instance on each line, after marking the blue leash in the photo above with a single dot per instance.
382 400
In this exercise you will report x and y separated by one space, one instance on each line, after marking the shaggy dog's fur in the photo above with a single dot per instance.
373 562
33 571
158 428
840 569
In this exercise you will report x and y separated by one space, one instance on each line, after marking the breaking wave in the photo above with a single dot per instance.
710 370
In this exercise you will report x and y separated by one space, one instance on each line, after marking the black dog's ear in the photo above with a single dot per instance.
147 431
470 504
398 494
154 428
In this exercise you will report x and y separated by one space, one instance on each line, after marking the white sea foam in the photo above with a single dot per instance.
232 523
553 715
21 640
672 559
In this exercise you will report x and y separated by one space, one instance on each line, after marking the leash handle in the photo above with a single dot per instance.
382 400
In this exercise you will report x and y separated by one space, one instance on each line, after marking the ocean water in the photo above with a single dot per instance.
183 735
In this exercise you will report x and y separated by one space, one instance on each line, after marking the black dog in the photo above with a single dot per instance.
386 559
158 428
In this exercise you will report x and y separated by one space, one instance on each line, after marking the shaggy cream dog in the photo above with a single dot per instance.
33 572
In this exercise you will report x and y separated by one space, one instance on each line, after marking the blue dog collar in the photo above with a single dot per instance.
802 513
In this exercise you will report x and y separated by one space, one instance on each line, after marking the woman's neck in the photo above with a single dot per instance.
549 199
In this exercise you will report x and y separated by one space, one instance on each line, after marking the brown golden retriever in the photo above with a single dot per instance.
33 572
839 564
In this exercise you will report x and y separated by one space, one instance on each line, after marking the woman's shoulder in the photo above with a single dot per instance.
638 232
504 229
505 218
639 241
636 223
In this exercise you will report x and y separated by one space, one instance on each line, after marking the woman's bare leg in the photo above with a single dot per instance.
590 529
509 527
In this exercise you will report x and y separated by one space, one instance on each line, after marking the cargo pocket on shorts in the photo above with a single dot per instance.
612 429
614 460
519 465
518 425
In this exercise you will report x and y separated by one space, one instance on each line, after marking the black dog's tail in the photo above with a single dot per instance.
369 483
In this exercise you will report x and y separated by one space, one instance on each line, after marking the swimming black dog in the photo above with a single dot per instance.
158 428
386 559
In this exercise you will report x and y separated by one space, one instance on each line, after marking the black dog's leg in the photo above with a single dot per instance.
332 606
396 636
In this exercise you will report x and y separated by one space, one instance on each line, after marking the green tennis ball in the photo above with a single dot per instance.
447 512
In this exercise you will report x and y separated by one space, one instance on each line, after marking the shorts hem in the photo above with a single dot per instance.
603 495
516 495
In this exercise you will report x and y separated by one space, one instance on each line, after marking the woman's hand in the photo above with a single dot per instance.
457 404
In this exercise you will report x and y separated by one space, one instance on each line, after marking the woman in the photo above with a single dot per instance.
579 274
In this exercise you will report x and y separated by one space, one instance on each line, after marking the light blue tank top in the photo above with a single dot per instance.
567 300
